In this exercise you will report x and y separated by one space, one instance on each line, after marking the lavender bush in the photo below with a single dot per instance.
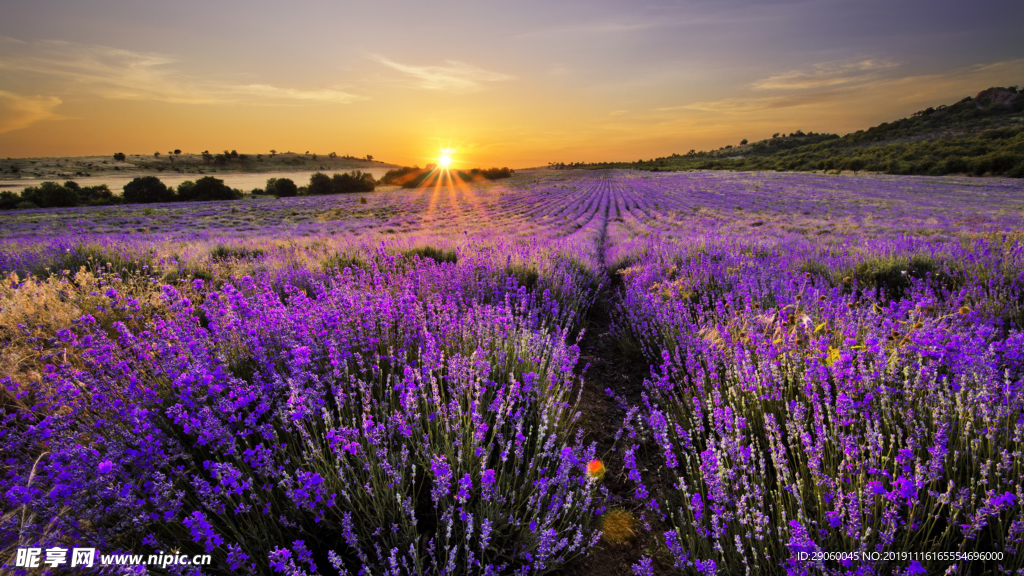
409 417
849 406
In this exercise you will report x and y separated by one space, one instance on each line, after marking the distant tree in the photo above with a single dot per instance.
319 184
119 156
282 187
355 181
207 157
273 153
855 164
206 188
369 157
332 155
9 199
400 176
186 190
177 151
147 189
156 154
743 142
98 195
234 154
50 195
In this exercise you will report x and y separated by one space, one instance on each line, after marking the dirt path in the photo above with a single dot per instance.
610 369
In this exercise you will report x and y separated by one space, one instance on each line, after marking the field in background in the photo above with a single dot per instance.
781 364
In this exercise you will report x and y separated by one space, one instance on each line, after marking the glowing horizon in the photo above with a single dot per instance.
518 86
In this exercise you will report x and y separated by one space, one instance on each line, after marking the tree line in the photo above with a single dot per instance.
141 190
150 189
414 176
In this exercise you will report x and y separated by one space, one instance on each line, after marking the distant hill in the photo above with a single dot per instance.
181 163
983 135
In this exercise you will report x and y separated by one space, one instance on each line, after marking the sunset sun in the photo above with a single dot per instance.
445 159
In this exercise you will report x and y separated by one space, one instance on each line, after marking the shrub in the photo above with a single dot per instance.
146 190
50 195
399 176
207 188
282 187
355 181
98 195
186 190
319 184
8 199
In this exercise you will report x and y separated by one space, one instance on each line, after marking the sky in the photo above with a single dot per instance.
516 84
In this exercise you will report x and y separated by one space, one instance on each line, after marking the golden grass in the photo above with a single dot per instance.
617 527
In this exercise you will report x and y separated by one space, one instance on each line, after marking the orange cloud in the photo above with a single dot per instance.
128 75
17 111
452 76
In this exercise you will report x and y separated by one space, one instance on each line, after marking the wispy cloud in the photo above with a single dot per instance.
17 111
596 27
452 76
825 75
127 75
742 105
839 108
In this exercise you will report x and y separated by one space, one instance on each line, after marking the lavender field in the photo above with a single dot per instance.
397 382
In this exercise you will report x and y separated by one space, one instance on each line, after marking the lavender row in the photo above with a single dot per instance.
809 398
407 416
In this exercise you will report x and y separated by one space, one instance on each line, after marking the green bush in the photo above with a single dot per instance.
319 184
147 189
206 188
8 200
50 195
355 181
282 187
98 195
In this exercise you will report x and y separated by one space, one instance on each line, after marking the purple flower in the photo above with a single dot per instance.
442 478
915 569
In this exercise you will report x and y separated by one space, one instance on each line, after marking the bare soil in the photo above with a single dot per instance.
610 368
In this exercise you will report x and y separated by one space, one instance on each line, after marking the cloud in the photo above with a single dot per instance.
453 76
595 27
824 75
742 105
127 75
843 108
17 112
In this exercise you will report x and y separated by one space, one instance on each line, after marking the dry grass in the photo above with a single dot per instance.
33 310
618 527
